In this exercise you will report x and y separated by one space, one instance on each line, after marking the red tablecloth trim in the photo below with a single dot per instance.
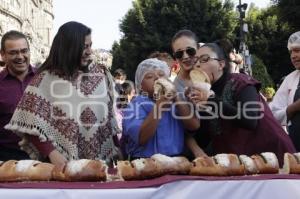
137 184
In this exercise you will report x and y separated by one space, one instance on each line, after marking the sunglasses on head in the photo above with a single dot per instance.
189 51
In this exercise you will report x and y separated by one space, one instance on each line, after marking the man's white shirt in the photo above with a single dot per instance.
284 97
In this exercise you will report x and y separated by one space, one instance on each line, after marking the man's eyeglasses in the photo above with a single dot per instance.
206 58
189 51
16 52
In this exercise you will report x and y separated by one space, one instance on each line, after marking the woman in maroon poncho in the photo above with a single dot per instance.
242 122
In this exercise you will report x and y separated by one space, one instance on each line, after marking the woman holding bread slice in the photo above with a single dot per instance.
243 122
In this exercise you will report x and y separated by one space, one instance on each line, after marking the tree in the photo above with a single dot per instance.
259 72
150 25
117 57
267 39
288 11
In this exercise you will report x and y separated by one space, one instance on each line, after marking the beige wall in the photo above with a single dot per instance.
32 17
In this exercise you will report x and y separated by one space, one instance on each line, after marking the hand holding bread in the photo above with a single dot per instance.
164 88
57 159
200 91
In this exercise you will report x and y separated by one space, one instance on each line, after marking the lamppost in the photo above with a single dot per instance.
243 47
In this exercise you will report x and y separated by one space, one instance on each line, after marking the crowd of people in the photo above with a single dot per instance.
71 107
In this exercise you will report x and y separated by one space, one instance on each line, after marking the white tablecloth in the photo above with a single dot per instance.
233 189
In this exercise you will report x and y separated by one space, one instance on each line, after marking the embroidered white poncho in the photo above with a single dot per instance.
77 116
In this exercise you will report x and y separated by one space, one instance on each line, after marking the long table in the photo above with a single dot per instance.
169 186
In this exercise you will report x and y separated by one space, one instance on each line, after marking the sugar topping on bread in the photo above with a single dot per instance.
75 166
162 158
139 164
297 155
222 159
163 86
248 162
165 83
24 165
270 158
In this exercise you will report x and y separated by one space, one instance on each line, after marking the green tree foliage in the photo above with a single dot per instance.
289 11
259 72
267 39
150 25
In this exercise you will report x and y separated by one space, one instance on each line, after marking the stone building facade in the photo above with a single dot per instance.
103 56
32 17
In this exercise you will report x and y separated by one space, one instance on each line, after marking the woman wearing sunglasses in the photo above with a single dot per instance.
243 122
184 46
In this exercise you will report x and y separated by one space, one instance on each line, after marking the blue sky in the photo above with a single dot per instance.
103 16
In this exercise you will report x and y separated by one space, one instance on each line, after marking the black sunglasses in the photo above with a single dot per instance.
189 51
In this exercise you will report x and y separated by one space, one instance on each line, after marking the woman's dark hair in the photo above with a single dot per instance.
66 49
185 33
222 48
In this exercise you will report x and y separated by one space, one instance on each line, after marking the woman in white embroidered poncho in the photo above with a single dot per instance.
67 110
